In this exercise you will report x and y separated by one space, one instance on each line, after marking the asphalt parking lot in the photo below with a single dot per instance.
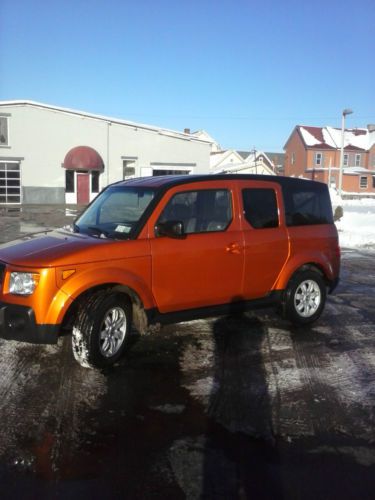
240 407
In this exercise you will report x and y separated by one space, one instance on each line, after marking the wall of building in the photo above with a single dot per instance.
41 138
351 184
295 147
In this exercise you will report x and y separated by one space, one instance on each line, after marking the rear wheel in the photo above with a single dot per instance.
305 297
101 330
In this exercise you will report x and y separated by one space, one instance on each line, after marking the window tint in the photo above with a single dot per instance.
307 204
200 211
260 207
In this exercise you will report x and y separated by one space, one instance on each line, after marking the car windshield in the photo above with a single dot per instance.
115 213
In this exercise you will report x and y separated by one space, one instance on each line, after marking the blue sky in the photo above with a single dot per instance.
245 71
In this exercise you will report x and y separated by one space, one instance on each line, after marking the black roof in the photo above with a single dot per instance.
167 181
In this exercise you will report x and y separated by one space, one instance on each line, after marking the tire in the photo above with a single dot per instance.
305 297
101 329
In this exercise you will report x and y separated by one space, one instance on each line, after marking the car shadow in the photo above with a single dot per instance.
240 456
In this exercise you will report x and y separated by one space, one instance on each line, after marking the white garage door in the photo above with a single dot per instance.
10 182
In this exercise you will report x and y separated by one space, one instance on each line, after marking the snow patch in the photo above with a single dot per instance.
357 226
80 351
309 139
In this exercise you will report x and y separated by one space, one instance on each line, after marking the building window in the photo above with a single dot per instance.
357 160
95 182
128 169
373 182
346 160
293 159
318 159
69 181
4 131
129 172
363 182
373 160
10 182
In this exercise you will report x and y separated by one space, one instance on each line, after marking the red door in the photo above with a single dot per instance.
83 188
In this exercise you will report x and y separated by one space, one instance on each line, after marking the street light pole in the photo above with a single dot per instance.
344 113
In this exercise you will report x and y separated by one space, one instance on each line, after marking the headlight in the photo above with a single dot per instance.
23 283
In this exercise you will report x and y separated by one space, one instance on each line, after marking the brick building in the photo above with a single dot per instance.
314 153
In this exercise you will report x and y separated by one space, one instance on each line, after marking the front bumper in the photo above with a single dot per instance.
18 323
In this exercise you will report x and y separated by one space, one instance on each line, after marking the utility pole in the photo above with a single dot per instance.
254 151
344 114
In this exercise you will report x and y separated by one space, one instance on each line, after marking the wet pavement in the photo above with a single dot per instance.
235 407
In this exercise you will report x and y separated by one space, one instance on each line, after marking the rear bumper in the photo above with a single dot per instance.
18 323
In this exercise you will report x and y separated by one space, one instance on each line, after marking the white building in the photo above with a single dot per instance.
230 161
55 155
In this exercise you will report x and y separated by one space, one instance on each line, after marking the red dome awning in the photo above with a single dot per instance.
83 158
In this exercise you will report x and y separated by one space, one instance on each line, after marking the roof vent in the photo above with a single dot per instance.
371 127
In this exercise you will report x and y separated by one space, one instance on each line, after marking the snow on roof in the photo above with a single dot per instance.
358 138
356 170
308 138
330 137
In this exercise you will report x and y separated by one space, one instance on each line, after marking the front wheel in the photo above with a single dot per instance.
305 297
101 330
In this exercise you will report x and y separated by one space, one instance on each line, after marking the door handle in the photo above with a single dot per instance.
233 248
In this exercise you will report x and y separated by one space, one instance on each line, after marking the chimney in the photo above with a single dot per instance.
371 127
186 131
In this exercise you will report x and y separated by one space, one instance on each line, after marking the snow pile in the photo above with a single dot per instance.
357 226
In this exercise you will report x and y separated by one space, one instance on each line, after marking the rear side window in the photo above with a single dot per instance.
307 205
260 207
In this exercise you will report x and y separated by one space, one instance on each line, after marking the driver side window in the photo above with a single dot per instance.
200 211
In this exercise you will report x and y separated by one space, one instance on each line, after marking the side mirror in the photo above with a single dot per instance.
171 229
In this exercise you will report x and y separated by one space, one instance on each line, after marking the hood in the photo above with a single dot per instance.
60 248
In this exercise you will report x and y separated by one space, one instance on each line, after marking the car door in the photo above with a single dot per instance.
265 234
205 266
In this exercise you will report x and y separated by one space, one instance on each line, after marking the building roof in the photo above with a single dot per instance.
228 156
276 158
355 139
243 154
159 130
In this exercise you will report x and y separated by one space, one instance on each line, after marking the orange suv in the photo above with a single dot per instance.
166 249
